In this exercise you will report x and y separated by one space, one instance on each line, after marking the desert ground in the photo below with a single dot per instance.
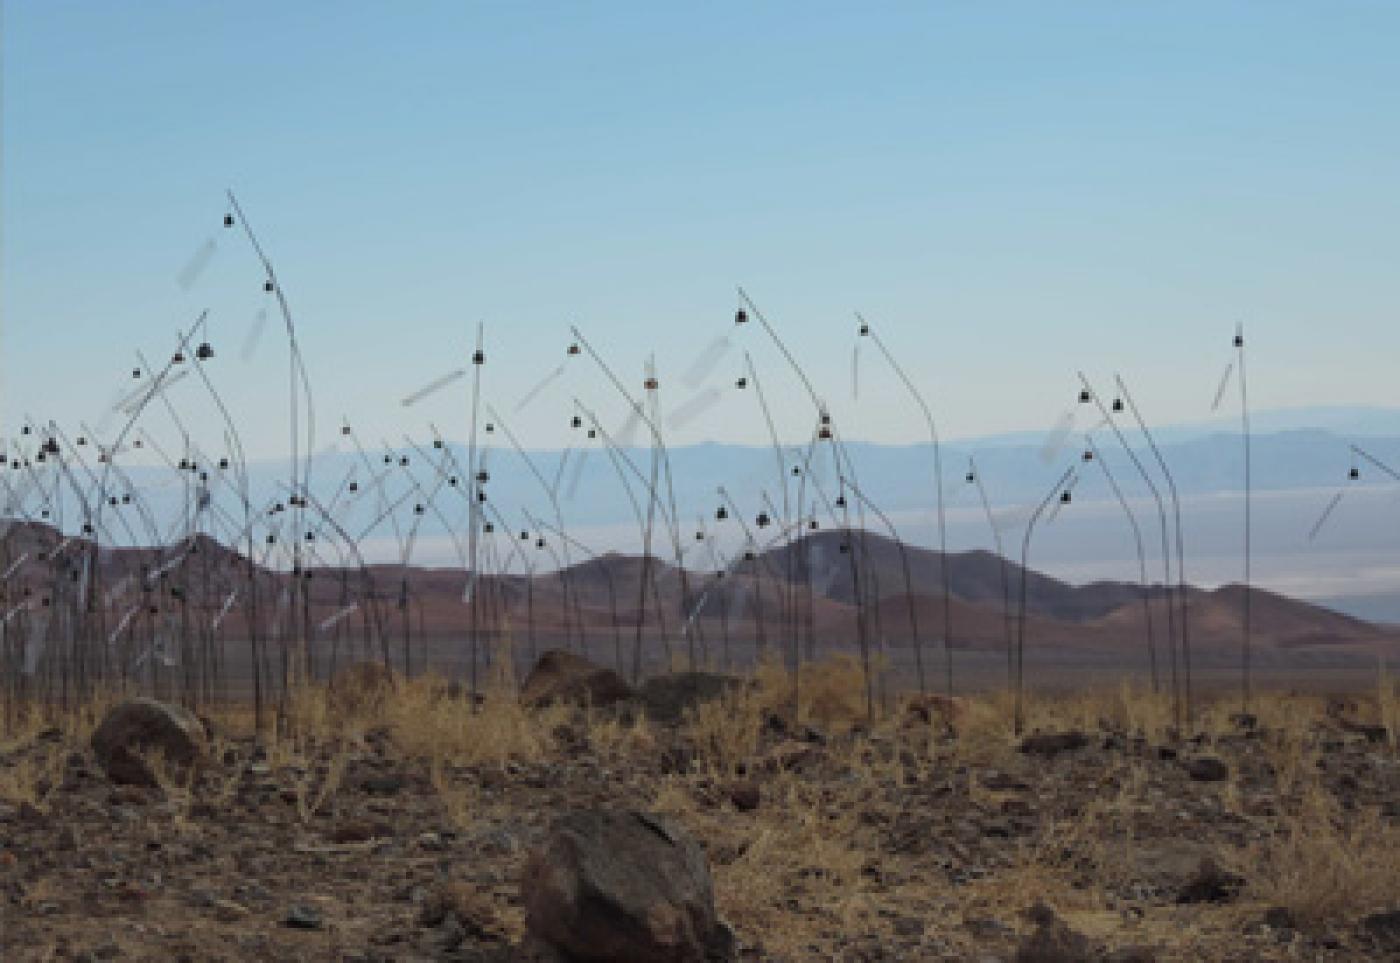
396 820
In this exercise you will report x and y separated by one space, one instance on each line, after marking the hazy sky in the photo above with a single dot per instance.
1008 191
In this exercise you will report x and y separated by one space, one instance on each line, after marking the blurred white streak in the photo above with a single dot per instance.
1224 382
705 362
576 474
228 604
694 408
331 620
254 335
1055 438
195 266
1326 513
623 437
533 392
433 386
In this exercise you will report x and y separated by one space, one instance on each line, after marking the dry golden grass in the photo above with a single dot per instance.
1325 864
725 733
426 725
791 872
1388 702
33 777
320 727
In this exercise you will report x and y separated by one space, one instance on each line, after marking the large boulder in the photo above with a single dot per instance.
561 676
135 732
621 886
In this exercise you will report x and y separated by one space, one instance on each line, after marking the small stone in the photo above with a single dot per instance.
302 917
1210 884
1132 954
745 796
227 911
357 832
790 755
1053 743
1002 782
985 928
908 927
722 944
446 937
1053 941
1383 929
382 785
1207 769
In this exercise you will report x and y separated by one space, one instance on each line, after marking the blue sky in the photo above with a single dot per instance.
1009 192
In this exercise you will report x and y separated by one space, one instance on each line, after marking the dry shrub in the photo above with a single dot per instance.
1095 847
1388 703
792 872
832 692
725 732
1290 714
426 723
1006 893
1326 865
79 722
310 718
1292 756
176 784
232 719
1143 712
361 689
807 857
29 718
985 735
315 788
460 805
615 737
34 776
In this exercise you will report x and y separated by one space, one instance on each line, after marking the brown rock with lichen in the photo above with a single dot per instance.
134 733
620 886
561 676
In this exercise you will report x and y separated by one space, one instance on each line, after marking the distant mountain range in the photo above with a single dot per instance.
809 587
1014 469
1300 460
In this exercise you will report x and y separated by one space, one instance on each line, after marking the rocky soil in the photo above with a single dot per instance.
930 835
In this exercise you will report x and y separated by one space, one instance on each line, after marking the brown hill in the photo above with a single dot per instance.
807 588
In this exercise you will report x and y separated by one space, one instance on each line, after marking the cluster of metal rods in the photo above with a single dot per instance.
278 590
